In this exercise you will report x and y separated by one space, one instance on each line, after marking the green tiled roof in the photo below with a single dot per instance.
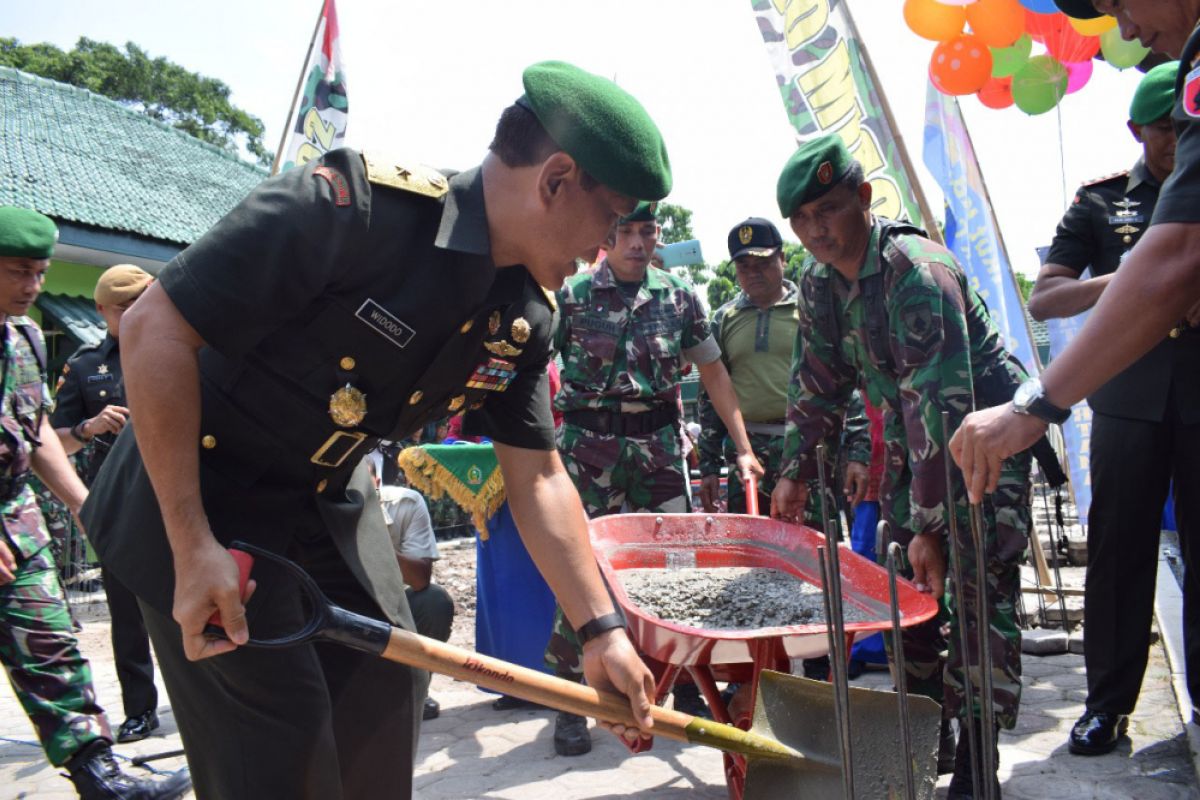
80 157
77 314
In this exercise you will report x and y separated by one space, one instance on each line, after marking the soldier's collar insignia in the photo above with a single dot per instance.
745 234
825 173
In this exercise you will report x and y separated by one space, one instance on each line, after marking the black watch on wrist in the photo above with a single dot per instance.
1030 398
607 622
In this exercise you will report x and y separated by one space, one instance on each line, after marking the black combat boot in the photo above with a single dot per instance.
96 776
571 737
961 787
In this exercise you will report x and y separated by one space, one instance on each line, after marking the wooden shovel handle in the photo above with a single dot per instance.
537 687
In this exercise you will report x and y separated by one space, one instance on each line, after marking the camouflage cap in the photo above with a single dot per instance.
120 284
1155 95
24 233
1079 9
812 171
601 126
645 212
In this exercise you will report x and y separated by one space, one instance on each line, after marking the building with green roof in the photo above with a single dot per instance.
123 188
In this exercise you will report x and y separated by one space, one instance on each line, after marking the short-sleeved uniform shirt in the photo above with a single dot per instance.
626 353
344 302
90 380
408 522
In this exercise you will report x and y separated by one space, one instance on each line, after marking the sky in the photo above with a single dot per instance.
427 79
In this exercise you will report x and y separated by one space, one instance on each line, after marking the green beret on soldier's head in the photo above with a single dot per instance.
645 212
601 126
1079 9
24 233
1155 95
812 171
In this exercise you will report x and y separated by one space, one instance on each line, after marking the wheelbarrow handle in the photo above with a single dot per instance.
751 484
331 623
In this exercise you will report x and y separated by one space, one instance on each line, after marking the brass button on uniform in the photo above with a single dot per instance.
466 326
321 484
103 393
347 363
209 442
1175 332
415 397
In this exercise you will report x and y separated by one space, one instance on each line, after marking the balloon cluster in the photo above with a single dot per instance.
994 60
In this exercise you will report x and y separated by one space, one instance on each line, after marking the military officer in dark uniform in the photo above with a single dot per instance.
89 407
346 301
1141 418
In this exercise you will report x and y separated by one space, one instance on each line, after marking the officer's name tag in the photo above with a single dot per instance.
385 323
100 378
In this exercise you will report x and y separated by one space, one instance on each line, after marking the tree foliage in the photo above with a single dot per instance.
156 87
724 287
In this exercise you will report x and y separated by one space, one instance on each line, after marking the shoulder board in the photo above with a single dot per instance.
1105 178
416 178
550 299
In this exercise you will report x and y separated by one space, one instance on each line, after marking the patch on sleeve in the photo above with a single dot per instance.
337 182
1191 93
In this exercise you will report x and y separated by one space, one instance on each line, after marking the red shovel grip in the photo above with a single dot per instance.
751 485
245 563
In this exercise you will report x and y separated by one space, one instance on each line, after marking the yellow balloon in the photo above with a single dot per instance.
1093 27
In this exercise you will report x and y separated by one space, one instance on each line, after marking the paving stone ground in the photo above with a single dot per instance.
472 751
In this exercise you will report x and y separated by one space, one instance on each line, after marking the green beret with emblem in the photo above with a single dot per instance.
645 212
815 168
1079 9
601 126
1155 95
25 233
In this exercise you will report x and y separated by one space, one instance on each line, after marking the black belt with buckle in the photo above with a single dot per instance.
630 423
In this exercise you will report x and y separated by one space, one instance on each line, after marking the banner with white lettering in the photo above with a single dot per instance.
971 231
827 88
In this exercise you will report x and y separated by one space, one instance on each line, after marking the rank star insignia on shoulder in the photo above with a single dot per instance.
416 178
1105 178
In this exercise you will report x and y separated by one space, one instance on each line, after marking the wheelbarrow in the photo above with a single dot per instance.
761 658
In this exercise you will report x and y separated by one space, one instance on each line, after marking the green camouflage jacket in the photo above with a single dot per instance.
26 399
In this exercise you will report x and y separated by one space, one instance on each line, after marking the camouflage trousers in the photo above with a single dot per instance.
768 450
52 679
611 474
1006 525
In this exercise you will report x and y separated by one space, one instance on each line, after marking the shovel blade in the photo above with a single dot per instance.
799 713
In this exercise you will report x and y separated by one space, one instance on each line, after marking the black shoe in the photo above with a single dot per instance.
689 701
96 776
571 737
946 749
137 728
1097 733
961 784
431 709
507 702
816 669
855 669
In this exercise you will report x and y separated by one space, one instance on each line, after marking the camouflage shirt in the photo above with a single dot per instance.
941 343
627 354
26 398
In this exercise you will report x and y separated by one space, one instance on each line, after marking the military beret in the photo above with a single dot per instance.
812 171
24 233
1155 95
645 212
1079 9
120 284
601 126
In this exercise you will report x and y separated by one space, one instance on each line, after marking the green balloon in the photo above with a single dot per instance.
1007 60
1039 85
1120 53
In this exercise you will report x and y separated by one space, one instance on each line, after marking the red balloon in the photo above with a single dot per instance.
961 65
1036 24
1067 44
996 93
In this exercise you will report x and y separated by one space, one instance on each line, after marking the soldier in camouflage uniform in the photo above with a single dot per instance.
887 310
625 332
51 677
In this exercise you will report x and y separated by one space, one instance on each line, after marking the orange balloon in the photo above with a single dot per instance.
960 66
996 93
932 20
998 23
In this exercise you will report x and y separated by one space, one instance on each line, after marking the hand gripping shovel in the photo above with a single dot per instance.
330 623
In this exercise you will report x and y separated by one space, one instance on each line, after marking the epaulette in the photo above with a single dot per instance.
550 299
1106 178
416 178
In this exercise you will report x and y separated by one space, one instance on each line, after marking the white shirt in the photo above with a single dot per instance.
407 519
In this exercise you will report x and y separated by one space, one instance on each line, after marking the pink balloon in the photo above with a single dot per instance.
1078 74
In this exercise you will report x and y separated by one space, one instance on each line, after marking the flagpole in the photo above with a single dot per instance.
287 125
905 161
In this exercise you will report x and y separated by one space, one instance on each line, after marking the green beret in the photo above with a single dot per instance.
601 126
811 172
1155 95
25 233
645 212
1079 9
